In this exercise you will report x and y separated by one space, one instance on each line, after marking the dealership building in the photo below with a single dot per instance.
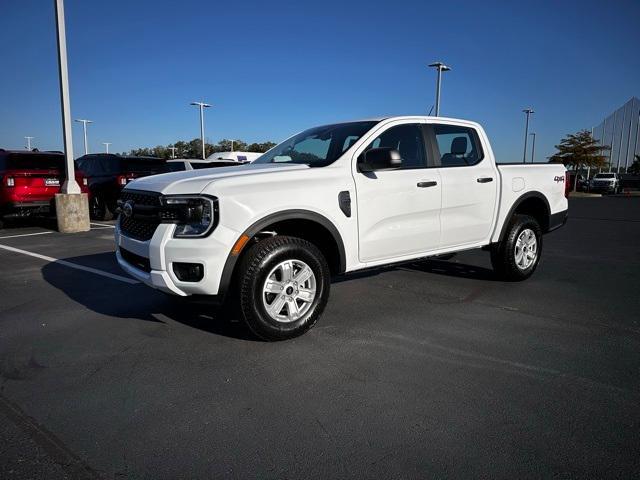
621 132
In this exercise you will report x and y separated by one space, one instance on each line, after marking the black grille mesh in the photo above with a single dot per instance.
134 227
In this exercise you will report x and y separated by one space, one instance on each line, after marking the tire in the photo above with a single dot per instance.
99 209
294 310
506 261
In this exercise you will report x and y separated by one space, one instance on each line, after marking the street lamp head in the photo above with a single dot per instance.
528 110
201 104
82 120
440 66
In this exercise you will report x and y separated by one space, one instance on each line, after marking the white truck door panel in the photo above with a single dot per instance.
396 216
399 210
469 186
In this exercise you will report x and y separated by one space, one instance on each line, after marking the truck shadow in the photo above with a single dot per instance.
114 298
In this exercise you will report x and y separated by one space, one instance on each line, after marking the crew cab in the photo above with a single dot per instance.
29 181
108 173
331 200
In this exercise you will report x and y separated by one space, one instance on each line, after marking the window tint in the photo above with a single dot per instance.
406 139
31 161
458 145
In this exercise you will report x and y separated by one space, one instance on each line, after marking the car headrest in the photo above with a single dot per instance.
459 146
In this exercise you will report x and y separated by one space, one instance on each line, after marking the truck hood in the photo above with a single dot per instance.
192 182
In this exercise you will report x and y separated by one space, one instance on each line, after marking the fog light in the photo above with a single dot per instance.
188 272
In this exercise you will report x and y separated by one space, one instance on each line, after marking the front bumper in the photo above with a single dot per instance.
163 250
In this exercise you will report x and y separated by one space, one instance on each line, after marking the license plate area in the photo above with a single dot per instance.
52 182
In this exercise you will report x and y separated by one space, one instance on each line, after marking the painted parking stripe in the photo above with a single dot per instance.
26 235
95 271
103 225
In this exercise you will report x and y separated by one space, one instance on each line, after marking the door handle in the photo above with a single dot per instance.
430 183
485 180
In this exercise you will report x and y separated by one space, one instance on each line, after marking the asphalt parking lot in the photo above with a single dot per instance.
429 370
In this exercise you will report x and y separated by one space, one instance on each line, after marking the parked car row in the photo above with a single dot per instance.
29 180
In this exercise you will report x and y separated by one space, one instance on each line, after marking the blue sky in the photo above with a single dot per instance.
273 68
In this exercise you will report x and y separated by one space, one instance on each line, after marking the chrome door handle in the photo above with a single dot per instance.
430 183
484 180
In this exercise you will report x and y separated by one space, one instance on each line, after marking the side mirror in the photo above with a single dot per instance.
384 158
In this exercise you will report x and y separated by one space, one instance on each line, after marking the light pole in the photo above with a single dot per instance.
533 146
440 67
29 142
84 128
106 146
173 152
202 106
72 207
232 145
528 112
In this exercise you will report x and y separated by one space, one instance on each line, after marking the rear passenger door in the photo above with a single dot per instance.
469 185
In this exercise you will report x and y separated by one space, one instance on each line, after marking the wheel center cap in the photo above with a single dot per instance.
289 290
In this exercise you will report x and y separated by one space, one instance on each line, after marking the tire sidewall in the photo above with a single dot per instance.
521 224
255 311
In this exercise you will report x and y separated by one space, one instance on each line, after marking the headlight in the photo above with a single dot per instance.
194 216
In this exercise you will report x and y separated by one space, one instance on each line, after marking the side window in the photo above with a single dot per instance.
406 139
459 146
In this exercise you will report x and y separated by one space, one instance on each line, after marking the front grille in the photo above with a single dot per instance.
135 226
141 263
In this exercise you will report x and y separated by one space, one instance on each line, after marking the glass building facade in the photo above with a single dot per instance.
621 132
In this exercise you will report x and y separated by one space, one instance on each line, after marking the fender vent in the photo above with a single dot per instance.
344 201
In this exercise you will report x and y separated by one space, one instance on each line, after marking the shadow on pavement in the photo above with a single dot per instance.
118 299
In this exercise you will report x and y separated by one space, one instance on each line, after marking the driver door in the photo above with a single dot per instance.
399 210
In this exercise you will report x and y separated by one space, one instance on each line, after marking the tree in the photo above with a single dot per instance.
580 150
635 166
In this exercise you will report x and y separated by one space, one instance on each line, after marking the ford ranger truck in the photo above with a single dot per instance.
331 200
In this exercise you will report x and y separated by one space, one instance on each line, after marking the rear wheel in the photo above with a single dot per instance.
284 287
517 255
99 209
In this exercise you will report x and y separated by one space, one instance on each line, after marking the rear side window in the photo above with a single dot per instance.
408 140
459 146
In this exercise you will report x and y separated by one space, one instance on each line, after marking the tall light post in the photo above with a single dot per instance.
202 106
28 139
232 145
106 146
440 67
528 112
84 128
72 207
173 152
533 146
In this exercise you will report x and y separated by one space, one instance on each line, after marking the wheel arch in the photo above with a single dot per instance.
310 225
531 203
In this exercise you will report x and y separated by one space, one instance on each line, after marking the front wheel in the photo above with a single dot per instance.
517 255
284 285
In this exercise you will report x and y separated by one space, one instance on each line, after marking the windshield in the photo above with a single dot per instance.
605 175
319 146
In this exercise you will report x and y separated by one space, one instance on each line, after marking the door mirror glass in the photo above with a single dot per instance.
382 158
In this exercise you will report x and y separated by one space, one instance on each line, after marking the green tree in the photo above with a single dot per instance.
580 150
635 166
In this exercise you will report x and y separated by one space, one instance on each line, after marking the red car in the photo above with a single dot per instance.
29 182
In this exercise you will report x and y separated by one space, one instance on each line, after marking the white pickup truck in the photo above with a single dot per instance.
331 200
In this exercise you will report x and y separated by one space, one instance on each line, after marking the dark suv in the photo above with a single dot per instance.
107 174
29 182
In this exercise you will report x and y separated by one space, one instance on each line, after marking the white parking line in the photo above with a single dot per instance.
26 235
103 225
95 271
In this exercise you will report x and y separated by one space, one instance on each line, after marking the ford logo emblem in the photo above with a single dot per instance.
127 209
